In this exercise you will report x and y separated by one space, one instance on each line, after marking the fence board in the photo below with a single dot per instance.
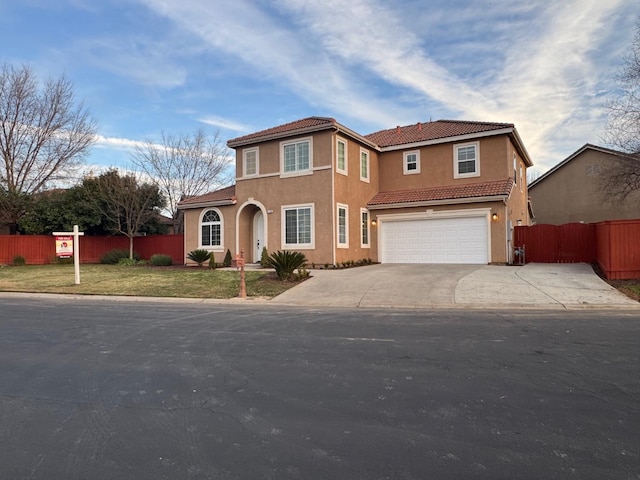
41 249
172 245
619 248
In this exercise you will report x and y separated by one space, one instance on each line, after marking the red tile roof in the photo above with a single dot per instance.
422 132
299 126
450 192
227 194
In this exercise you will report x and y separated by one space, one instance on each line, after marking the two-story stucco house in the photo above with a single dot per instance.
436 192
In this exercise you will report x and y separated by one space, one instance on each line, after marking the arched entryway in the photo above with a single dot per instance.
251 230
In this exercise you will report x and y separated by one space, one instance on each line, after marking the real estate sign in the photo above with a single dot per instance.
64 247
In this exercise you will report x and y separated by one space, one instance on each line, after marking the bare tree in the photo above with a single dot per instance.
44 134
620 180
126 203
183 166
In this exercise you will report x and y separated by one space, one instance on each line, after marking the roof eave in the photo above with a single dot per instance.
276 136
454 138
447 201
215 203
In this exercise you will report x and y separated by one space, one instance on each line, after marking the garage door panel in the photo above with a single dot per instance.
442 240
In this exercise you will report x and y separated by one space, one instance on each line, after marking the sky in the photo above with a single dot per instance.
144 67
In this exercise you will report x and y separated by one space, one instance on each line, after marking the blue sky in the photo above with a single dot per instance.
147 66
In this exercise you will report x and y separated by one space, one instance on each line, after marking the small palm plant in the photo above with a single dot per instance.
199 256
286 262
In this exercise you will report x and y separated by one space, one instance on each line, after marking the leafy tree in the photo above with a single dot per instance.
44 134
622 178
60 210
126 204
183 166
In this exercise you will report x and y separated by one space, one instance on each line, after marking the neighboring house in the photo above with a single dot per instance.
437 192
569 192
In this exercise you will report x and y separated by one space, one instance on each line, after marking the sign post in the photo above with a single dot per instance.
69 242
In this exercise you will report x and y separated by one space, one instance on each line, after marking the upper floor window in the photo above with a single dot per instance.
364 165
211 229
515 169
466 160
343 225
296 156
297 227
411 162
341 156
250 162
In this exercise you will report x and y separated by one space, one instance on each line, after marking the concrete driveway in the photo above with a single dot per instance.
458 286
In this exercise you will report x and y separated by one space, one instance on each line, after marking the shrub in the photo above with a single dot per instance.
264 258
19 261
161 260
128 262
212 262
113 257
286 262
227 259
199 256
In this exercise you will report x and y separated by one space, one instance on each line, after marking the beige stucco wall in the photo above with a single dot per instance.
571 195
352 191
192 232
437 166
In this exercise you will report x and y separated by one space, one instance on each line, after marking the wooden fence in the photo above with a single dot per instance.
613 245
569 243
41 249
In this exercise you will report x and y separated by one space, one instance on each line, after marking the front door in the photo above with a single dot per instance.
258 236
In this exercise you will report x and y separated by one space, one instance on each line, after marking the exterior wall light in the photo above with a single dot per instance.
374 223
494 217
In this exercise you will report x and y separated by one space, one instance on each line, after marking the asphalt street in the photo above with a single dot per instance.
130 390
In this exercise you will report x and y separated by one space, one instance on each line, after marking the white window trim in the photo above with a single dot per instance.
211 248
244 162
455 160
405 167
515 169
365 179
362 244
342 206
296 173
283 229
345 170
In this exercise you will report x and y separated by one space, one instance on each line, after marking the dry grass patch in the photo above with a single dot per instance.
140 281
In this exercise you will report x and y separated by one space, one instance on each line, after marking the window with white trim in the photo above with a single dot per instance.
211 229
250 162
515 169
466 160
297 226
341 156
343 226
296 157
411 162
364 165
364 229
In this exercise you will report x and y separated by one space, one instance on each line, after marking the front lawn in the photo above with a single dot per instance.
146 281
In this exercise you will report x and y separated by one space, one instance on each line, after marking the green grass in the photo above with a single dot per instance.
189 282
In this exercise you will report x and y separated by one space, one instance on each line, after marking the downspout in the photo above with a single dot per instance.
333 195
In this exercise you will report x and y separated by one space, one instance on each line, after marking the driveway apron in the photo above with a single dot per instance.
471 286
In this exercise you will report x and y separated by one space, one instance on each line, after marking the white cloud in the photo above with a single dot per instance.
531 64
225 123
118 143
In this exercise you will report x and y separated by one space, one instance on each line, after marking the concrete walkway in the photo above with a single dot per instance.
557 286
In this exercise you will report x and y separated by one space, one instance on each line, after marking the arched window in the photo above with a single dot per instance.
211 229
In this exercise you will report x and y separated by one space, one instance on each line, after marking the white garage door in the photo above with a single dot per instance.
440 240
